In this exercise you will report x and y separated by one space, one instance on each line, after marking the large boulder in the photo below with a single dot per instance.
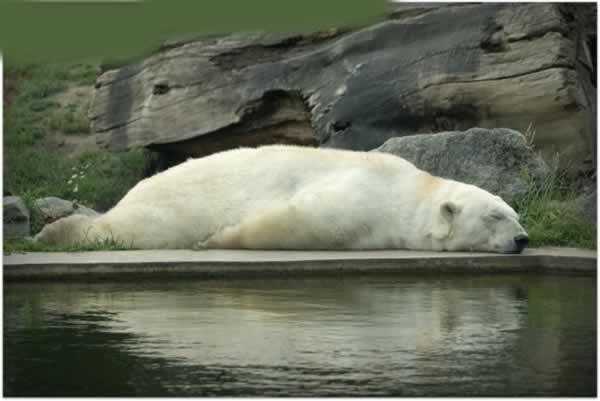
16 217
53 208
587 204
428 68
498 160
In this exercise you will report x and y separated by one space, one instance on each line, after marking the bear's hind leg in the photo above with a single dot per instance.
277 227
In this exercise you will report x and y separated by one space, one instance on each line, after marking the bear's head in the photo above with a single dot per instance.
472 219
66 231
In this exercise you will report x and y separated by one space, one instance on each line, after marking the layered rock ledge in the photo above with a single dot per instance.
428 68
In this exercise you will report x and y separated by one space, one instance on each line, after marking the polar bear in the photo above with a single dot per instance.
291 197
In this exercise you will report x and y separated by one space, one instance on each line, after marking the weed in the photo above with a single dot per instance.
101 179
530 135
550 214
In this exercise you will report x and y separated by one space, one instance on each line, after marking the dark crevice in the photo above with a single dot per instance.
338 126
554 66
161 88
272 101
591 44
207 39
421 9
256 54
536 70
539 34
495 41
120 125
492 41
410 13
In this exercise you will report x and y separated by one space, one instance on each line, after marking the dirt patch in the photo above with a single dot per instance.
12 81
76 95
75 101
10 90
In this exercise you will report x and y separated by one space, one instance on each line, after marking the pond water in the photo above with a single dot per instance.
525 335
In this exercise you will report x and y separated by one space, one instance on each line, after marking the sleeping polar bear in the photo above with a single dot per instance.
289 197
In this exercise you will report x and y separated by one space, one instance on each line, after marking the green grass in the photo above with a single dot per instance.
550 215
25 245
32 169
69 122
97 180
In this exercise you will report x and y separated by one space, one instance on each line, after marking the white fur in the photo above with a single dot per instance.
288 197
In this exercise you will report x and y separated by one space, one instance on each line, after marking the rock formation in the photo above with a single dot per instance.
427 68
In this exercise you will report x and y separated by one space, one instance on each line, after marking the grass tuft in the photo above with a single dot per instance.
69 122
22 245
550 213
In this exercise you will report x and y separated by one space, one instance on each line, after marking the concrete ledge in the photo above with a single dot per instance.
246 263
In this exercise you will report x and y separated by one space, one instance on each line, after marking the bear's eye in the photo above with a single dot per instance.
497 216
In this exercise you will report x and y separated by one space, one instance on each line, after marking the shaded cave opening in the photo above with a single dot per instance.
277 117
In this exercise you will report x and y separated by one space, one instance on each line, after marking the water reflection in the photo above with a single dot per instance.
499 335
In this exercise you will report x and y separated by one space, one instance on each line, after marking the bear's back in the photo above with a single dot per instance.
269 171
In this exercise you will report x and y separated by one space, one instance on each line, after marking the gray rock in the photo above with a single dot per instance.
16 217
80 209
587 204
498 160
54 208
428 68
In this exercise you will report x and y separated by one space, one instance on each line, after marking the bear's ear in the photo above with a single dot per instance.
443 218
449 209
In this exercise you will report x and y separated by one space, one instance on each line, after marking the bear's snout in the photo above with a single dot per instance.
521 241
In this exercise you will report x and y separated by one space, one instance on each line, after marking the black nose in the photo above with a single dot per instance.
521 241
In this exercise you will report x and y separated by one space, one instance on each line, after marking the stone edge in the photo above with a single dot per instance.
28 267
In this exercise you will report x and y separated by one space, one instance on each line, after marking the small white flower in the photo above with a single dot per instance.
76 188
70 182
74 176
